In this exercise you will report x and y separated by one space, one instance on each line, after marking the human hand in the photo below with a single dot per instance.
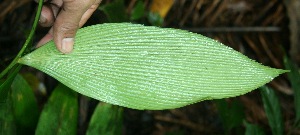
65 17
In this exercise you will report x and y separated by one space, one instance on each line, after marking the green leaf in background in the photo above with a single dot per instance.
146 67
7 120
138 11
272 109
232 114
5 86
106 120
115 11
252 129
60 114
294 77
155 19
24 105
36 85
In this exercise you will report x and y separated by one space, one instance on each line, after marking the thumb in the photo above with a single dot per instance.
67 23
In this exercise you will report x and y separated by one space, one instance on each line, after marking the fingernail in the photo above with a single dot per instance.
42 19
67 45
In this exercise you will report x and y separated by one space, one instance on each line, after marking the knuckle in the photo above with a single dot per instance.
82 3
68 27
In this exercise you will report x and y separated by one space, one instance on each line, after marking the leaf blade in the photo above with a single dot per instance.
7 119
115 11
59 115
231 114
272 109
294 77
149 67
252 129
24 105
138 11
106 120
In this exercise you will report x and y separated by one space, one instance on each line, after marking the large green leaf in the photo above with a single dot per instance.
60 114
154 68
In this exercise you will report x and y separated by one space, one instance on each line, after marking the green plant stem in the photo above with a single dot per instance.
15 61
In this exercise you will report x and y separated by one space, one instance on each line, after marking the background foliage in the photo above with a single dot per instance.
259 29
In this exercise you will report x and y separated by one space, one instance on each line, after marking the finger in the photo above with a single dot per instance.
47 17
67 23
55 6
89 12
49 13
45 39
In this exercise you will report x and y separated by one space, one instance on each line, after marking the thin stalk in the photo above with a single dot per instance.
15 61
